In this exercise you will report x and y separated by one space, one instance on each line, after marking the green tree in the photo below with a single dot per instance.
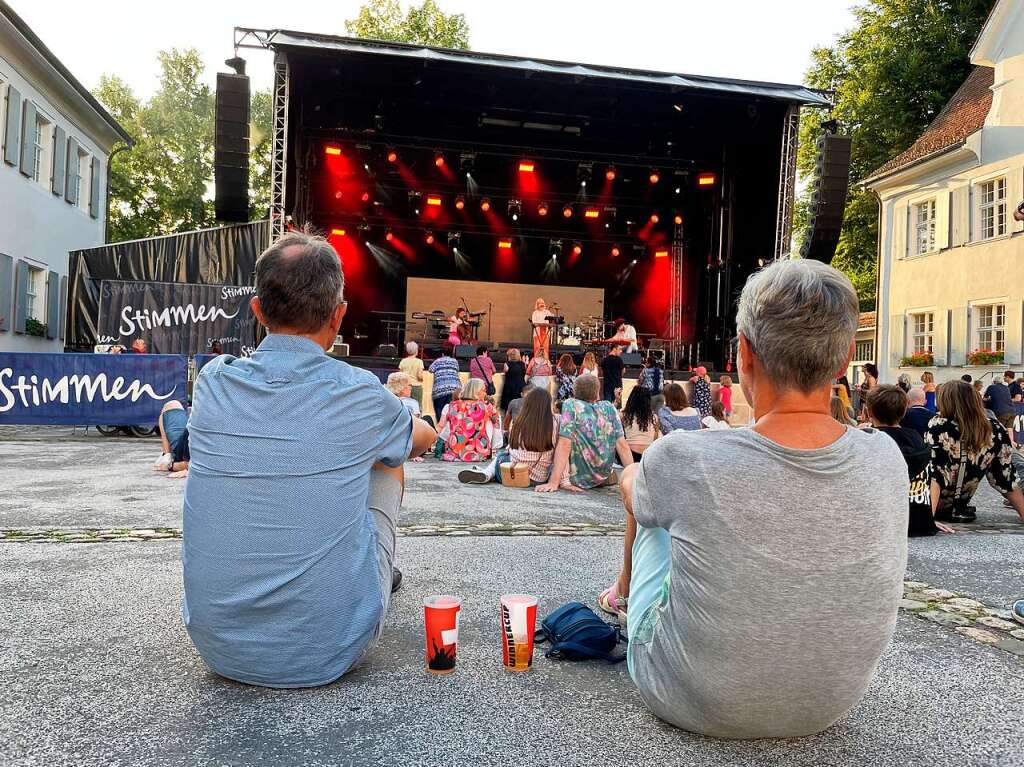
891 73
261 126
425 24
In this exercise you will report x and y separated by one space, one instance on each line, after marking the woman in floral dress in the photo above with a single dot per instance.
471 422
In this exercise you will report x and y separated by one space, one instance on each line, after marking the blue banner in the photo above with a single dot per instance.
89 389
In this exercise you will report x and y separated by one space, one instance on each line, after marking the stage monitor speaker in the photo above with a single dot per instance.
828 198
658 354
340 350
231 149
465 352
631 358
386 350
499 356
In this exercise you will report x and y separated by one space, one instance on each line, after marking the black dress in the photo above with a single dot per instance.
515 380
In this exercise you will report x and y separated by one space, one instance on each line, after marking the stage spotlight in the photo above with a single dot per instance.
554 247
429 239
439 160
504 244
515 209
392 156
678 219
526 166
584 171
567 211
661 253
633 262
434 200
337 232
338 195
610 173
678 190
332 150
389 235
577 249
365 197
466 162
542 209
655 218
460 202
615 251
591 213
454 239
655 177
706 179
485 205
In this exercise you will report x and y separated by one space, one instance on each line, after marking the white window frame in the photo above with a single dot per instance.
997 205
84 176
924 229
995 331
868 343
921 327
35 293
42 169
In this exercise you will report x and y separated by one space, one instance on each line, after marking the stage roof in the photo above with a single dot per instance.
287 39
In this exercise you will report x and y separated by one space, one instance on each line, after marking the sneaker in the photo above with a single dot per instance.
1017 608
163 463
967 514
473 476
396 580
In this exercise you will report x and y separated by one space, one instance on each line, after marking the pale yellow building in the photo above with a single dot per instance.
951 255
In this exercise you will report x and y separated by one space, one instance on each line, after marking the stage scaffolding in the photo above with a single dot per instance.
787 182
676 298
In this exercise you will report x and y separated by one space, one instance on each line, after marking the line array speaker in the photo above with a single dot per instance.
828 199
231 149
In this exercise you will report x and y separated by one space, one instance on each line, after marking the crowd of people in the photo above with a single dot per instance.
747 551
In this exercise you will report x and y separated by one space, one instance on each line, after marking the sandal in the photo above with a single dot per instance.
610 602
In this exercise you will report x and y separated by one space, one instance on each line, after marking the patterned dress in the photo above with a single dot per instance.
995 462
702 396
468 436
593 428
566 382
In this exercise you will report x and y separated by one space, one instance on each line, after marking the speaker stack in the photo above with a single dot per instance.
231 149
828 199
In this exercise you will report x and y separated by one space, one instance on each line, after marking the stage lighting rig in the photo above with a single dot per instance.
567 211
460 202
655 176
485 204
584 172
389 235
429 238
454 239
515 209
609 174
439 159
554 248
577 248
392 155
542 209
467 163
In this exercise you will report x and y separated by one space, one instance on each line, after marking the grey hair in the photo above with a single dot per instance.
299 282
586 387
916 396
412 347
471 389
800 317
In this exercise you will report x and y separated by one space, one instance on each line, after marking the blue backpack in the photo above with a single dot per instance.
577 633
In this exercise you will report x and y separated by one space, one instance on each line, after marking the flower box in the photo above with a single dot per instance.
984 357
918 360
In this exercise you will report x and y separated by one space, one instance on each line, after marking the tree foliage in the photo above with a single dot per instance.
425 24
891 73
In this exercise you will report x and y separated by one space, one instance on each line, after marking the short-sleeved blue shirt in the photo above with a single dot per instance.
280 549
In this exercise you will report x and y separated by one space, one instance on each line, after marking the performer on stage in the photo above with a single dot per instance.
458 327
539 318
625 336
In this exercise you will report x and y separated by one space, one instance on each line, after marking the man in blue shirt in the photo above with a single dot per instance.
294 488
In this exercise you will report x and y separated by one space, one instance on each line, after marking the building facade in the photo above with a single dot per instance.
56 144
951 255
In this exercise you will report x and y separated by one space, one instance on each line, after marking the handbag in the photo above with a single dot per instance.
488 381
577 633
515 474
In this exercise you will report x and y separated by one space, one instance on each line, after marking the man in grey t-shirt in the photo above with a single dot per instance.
758 605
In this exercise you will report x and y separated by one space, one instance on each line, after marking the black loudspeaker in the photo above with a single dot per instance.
631 358
658 354
828 199
231 149
499 356
386 350
465 351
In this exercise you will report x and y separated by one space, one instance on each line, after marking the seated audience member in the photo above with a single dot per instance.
717 418
839 411
963 435
886 407
400 385
446 379
701 391
173 427
565 376
677 413
468 424
412 366
714 527
918 413
294 489
639 424
515 406
531 442
589 436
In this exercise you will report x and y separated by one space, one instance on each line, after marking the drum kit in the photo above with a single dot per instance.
588 331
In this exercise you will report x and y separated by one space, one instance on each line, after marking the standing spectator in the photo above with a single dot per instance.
870 380
589 437
702 391
964 439
967 378
917 415
446 379
589 365
841 389
652 377
999 400
725 395
677 413
639 424
717 418
839 411
1016 392
539 372
515 379
928 379
481 367
471 421
412 366
611 373
565 376
903 381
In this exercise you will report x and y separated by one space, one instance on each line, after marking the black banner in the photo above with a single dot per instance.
176 317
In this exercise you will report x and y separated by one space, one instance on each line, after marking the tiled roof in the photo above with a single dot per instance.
963 115
866 321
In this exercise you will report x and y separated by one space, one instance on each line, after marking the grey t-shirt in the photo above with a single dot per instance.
787 569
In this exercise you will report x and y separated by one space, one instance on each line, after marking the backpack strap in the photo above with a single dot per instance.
585 651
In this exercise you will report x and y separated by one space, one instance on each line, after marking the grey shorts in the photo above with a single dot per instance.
384 501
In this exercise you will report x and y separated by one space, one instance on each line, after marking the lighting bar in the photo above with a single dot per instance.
434 199
661 253
706 179
526 166
505 244
337 232
331 149
591 213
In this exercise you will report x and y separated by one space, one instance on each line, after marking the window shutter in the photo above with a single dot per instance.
63 318
52 303
1013 332
20 289
70 189
897 338
942 203
1014 195
12 135
60 160
900 223
28 138
959 333
6 288
959 216
940 338
94 188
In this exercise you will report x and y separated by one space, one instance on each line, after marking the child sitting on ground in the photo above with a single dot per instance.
717 418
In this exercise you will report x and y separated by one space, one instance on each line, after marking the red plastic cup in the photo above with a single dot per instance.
441 619
518 621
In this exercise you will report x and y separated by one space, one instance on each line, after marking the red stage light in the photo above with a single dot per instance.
337 195
678 219
567 211
706 179
655 218
655 177
577 249
331 149
392 156
433 199
429 238
591 213
542 209
526 166
389 235
337 232
439 160
615 251
365 197
485 205
460 202
505 244
662 253
610 173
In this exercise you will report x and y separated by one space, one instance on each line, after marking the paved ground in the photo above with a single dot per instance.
98 670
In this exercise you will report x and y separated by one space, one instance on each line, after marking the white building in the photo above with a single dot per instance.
55 142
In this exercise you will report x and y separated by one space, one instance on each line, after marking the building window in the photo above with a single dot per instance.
865 350
42 140
992 327
35 294
993 208
84 179
924 218
922 328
